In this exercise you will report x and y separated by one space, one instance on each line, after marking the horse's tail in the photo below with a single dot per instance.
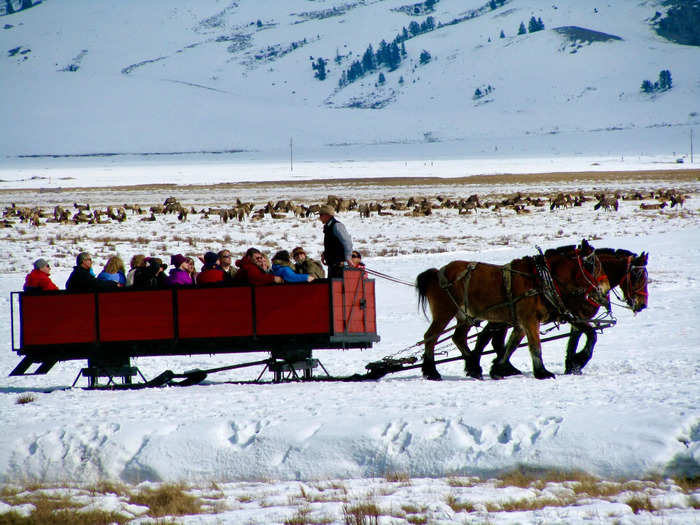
423 281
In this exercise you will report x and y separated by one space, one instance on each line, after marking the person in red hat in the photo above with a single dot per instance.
39 278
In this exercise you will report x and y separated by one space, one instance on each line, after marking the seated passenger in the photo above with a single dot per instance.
282 266
211 271
150 276
189 266
304 264
113 271
39 278
250 269
356 259
82 279
137 261
226 264
179 275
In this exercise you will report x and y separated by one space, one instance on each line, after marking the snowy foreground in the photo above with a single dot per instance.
402 448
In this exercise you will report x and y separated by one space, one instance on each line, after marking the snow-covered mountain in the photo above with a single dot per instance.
163 76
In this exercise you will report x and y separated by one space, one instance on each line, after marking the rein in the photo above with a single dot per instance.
388 277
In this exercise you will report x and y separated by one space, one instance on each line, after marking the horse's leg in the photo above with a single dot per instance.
501 366
430 337
574 337
532 330
581 358
471 359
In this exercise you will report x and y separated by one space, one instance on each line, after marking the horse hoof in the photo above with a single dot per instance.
432 376
544 374
476 373
510 370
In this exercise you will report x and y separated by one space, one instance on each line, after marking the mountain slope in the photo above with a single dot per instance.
93 76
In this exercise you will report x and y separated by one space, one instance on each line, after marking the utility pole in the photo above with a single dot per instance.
291 156
691 145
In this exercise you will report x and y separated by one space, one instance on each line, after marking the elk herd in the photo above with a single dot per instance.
412 206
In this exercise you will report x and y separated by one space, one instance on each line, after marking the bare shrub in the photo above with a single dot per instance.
459 506
362 513
640 503
25 398
167 500
398 477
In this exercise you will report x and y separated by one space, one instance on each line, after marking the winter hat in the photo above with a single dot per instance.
177 260
326 210
155 262
282 255
211 258
40 263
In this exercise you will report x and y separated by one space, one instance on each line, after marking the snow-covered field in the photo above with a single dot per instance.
270 453
117 103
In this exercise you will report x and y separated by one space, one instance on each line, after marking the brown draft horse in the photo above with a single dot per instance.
523 293
622 267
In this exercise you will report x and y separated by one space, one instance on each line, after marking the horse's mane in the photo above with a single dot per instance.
563 250
619 252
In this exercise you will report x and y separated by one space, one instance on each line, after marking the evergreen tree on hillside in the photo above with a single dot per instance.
368 61
425 57
647 86
535 25
502 35
320 67
381 79
665 80
394 58
521 29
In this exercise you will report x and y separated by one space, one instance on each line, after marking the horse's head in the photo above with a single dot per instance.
634 282
593 274
579 275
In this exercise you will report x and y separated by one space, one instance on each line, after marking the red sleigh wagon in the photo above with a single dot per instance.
108 328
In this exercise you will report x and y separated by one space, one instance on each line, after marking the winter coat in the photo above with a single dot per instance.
130 277
117 277
337 243
83 280
179 277
230 273
249 273
147 277
37 280
285 271
210 274
310 267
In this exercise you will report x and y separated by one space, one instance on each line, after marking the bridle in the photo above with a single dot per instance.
593 294
638 274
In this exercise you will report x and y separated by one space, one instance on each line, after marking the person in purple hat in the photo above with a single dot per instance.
179 275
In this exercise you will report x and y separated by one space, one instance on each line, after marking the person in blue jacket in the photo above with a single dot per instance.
113 271
282 267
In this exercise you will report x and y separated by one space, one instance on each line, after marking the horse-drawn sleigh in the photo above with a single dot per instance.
109 328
